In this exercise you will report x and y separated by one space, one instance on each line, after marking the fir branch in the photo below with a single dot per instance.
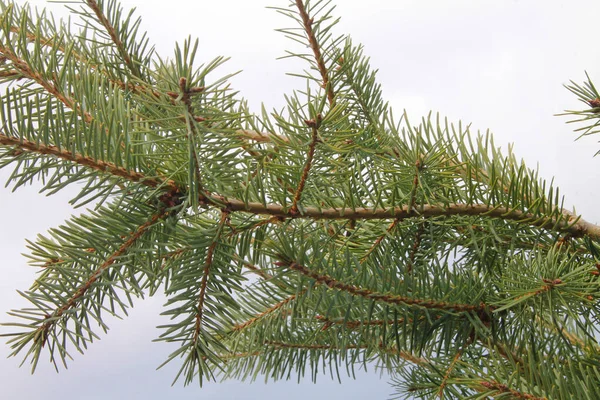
256 270
307 22
577 227
51 320
50 86
98 165
386 298
354 324
378 241
54 45
110 29
267 312
11 74
46 42
303 346
448 373
261 137
314 125
499 389
415 248
204 282
186 97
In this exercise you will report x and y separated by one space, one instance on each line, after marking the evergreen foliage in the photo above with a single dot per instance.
319 238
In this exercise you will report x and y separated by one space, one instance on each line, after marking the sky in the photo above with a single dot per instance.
497 65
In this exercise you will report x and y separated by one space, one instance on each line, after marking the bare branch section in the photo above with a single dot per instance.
307 21
82 290
98 165
114 37
386 298
203 284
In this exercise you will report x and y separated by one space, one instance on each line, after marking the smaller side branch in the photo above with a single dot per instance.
386 298
500 389
269 311
51 87
114 37
307 22
449 372
415 248
204 282
402 354
186 94
82 290
314 125
577 227
98 165
377 242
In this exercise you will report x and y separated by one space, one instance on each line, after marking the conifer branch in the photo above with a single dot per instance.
303 346
314 125
258 271
46 42
50 86
11 73
415 248
52 319
261 137
354 324
499 389
267 312
192 134
22 145
378 241
448 373
110 29
577 227
385 298
55 46
307 22
205 276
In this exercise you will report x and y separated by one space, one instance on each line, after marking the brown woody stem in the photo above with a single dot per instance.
309 160
98 165
307 22
386 298
114 37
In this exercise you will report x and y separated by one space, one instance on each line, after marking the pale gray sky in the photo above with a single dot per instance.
499 65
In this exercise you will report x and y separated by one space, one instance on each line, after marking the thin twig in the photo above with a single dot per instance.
115 38
269 311
307 22
314 125
502 389
204 282
378 241
386 298
98 165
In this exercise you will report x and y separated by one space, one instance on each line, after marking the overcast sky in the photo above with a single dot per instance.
498 65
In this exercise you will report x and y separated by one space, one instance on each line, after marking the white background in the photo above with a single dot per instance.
498 65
